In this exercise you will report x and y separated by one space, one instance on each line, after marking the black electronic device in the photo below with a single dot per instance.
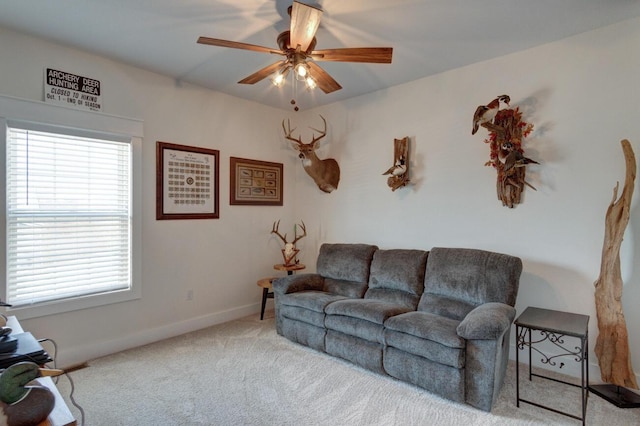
27 349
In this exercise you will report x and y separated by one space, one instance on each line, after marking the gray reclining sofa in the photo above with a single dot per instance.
439 319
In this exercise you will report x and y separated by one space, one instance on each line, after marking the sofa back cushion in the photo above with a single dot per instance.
397 276
457 280
345 267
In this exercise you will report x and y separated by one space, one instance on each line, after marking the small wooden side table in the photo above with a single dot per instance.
289 268
554 326
265 283
267 288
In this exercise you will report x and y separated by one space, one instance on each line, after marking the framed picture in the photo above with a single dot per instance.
187 182
255 183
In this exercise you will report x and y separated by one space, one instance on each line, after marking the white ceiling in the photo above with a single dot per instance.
428 36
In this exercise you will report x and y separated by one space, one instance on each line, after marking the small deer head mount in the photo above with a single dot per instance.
325 173
290 251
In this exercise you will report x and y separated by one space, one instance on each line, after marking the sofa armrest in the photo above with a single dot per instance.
299 282
487 322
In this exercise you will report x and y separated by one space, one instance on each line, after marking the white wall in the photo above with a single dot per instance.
583 97
580 93
220 260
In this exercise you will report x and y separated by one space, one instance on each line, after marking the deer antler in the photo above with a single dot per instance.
274 230
323 133
288 131
304 229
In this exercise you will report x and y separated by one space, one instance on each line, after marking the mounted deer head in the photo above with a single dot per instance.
325 173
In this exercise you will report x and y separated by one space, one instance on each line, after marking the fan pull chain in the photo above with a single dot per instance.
294 87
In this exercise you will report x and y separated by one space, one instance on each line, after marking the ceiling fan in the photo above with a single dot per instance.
296 45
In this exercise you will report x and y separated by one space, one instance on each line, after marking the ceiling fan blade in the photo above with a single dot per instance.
376 55
325 82
261 74
305 20
236 45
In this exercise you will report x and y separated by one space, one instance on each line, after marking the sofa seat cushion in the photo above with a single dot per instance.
427 335
312 300
306 306
355 327
363 318
375 311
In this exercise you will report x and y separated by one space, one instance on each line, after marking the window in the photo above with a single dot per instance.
71 210
68 218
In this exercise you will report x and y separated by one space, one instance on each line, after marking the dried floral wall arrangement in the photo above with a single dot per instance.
507 131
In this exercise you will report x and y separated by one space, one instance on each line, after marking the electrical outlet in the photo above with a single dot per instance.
189 294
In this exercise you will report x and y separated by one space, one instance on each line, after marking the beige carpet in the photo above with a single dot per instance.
243 373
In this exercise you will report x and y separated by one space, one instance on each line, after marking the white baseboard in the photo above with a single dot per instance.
68 357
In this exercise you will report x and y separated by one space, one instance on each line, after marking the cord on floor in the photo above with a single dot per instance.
71 398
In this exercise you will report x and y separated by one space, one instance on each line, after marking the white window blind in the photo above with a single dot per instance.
68 216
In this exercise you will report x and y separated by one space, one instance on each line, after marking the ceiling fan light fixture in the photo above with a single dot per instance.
302 71
311 83
297 46
279 78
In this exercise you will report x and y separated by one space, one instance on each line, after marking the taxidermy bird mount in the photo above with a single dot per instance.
506 133
486 113
297 45
399 172
511 157
397 169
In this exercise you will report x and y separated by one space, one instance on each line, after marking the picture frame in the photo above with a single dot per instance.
187 182
255 182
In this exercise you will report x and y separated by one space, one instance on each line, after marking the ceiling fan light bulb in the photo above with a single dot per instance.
301 71
311 83
278 80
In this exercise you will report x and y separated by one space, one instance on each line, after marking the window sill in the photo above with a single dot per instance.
67 305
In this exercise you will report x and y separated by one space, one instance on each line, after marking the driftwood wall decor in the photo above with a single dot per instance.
507 131
399 172
612 345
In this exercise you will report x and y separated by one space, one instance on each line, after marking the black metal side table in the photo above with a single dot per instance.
554 326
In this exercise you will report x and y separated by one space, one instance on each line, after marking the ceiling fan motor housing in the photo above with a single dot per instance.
284 42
